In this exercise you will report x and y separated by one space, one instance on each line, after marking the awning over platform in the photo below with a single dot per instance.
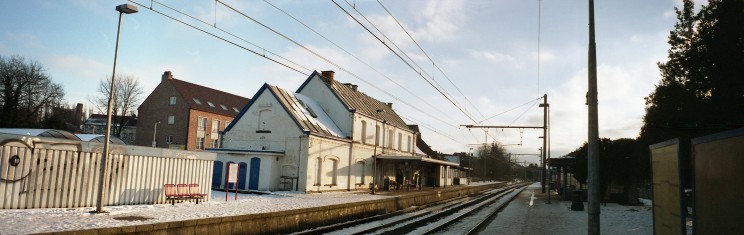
417 158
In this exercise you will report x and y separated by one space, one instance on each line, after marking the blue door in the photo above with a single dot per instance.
217 174
255 168
229 185
241 175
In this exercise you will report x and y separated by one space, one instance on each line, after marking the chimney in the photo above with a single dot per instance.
329 75
354 87
78 115
390 105
167 76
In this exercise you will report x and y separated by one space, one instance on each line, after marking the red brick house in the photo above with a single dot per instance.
188 116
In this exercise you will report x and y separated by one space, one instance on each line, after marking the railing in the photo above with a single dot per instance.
52 173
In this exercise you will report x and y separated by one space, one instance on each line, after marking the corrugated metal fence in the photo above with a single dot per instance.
51 173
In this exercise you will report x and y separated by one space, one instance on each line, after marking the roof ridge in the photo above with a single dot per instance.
194 84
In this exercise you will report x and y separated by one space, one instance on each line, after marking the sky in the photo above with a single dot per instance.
478 62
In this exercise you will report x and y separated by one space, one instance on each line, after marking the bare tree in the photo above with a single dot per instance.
127 96
24 92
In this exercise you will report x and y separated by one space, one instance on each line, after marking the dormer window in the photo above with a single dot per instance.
223 107
210 104
197 101
236 110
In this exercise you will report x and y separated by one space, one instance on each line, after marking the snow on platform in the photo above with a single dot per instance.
24 221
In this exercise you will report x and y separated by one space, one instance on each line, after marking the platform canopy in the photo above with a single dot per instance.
417 158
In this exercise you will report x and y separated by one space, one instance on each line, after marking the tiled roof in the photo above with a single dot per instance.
209 100
306 113
100 119
363 103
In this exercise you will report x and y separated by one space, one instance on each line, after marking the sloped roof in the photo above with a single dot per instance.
194 93
360 102
421 144
306 112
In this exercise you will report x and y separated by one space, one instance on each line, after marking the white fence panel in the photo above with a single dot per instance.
45 173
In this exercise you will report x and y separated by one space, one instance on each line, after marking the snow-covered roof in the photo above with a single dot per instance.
99 138
307 113
59 134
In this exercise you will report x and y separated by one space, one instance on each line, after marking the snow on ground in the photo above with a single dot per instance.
24 221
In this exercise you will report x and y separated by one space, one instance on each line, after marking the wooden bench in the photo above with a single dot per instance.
182 192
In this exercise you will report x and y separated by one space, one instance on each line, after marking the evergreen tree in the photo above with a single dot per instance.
702 86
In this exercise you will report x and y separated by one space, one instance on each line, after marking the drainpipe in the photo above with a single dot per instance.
299 162
351 157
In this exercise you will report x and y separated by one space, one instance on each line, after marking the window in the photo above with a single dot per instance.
210 104
410 144
197 101
201 124
214 143
200 143
360 173
171 120
400 141
168 139
390 139
364 132
334 171
377 135
223 107
172 100
318 170
236 110
264 121
215 126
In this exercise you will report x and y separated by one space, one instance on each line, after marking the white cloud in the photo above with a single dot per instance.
621 104
80 68
440 20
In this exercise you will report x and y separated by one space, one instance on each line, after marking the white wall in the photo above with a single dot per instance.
318 90
243 134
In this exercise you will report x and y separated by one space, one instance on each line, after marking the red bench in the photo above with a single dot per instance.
182 192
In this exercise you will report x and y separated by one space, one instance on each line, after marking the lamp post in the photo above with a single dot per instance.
155 131
122 9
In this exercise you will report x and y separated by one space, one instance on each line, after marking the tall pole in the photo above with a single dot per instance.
544 105
593 142
122 9
102 173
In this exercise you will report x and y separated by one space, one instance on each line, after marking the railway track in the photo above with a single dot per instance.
463 215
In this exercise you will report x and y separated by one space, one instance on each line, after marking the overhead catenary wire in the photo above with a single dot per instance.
252 51
221 38
332 63
406 62
355 57
430 59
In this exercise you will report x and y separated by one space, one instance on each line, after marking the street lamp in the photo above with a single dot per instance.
155 131
122 9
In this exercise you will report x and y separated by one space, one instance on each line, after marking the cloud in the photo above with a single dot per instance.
439 20
78 67
621 104
495 57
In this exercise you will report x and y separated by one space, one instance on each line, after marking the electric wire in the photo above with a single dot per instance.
430 59
332 63
406 62
221 38
512 109
225 31
354 56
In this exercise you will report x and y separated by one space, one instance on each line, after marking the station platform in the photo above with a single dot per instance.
519 217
